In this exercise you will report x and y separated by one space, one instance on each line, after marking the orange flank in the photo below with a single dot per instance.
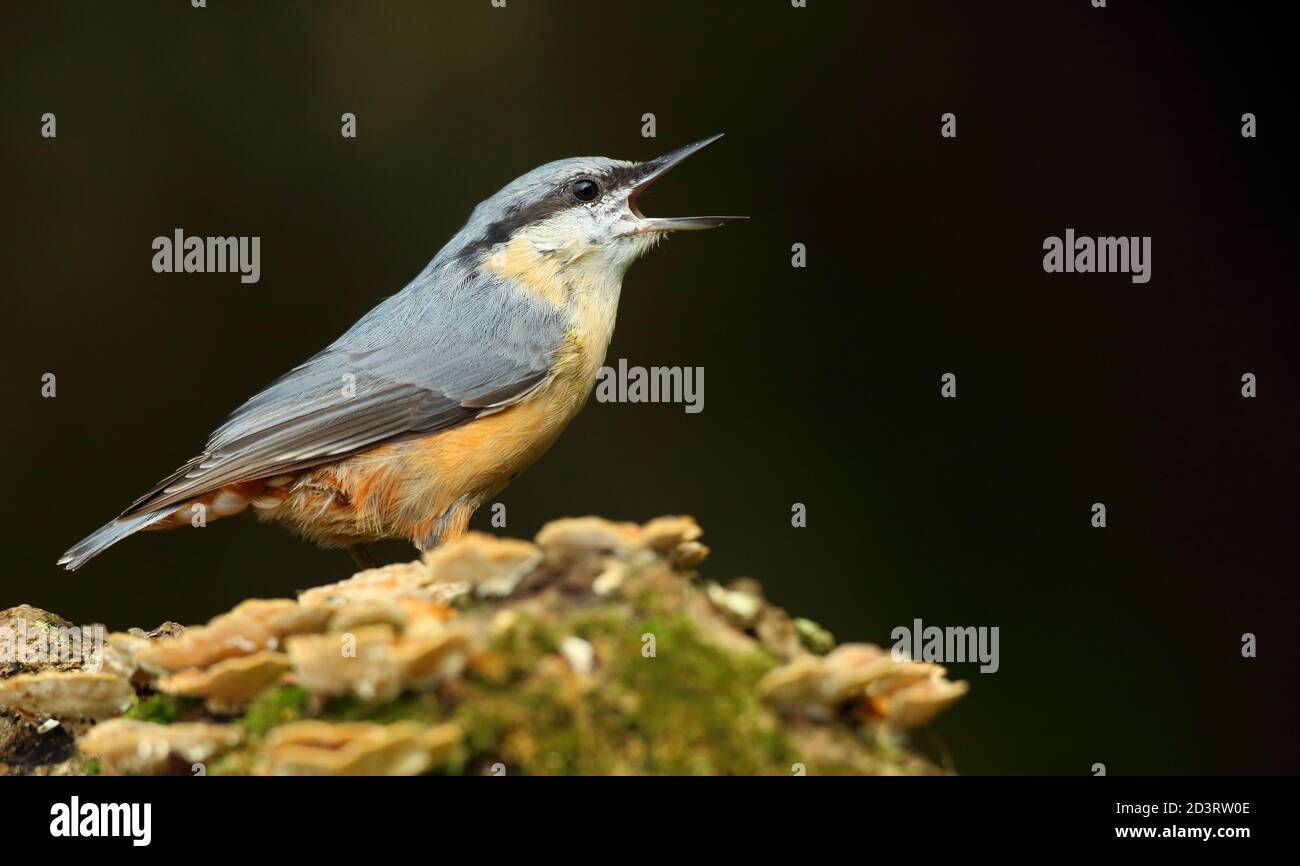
424 488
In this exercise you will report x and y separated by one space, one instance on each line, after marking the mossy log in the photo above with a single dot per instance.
596 650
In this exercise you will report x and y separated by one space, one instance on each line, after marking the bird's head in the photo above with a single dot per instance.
579 212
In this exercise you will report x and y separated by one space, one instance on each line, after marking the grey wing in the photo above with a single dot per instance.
450 347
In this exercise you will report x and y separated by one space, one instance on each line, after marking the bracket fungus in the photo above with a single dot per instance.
375 663
583 536
373 584
67 694
127 746
493 566
593 649
230 684
898 691
316 748
256 624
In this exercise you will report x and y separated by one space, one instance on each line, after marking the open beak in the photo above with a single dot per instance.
651 171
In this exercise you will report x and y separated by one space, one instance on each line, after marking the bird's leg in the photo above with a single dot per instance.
361 556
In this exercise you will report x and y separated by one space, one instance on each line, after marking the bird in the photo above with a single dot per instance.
442 393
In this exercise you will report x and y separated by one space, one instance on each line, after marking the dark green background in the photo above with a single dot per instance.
1119 646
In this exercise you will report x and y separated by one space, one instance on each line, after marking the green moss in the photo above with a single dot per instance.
700 713
276 707
405 707
651 601
597 624
690 709
524 644
163 709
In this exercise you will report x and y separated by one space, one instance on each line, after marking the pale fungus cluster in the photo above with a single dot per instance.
143 748
591 650
896 690
315 748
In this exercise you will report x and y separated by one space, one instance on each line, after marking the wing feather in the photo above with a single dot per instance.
449 347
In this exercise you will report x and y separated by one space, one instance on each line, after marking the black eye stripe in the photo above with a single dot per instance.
557 199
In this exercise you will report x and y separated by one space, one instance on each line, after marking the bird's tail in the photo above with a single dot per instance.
107 535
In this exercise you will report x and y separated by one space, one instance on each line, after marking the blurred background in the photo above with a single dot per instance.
1119 646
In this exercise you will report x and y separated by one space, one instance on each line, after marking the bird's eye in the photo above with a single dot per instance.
584 189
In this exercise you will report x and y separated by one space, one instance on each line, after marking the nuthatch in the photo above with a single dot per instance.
441 394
